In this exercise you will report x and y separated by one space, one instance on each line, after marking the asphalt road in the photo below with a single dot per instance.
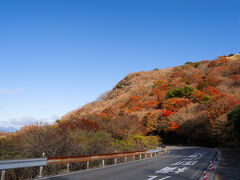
180 163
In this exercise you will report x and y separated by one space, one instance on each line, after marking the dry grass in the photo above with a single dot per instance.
234 58
3 134
138 83
191 111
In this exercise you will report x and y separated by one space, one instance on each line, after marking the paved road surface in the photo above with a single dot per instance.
180 163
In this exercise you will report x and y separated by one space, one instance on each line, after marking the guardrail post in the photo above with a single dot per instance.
146 155
155 154
67 167
140 156
133 157
3 174
115 161
41 171
103 162
151 155
87 164
125 159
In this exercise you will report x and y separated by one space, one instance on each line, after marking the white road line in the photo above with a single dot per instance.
165 170
151 177
181 170
165 178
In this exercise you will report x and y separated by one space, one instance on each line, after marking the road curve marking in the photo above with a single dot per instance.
165 178
151 177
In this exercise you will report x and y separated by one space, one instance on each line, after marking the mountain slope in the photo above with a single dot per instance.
188 102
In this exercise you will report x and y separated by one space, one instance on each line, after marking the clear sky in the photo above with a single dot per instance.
57 55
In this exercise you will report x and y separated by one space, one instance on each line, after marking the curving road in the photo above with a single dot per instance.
178 164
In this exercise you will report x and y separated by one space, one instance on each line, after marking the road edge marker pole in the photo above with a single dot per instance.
3 174
205 177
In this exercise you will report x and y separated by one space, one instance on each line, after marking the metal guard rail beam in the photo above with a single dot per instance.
69 159
22 163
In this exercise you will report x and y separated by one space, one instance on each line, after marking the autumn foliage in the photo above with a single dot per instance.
150 100
173 126
166 113
174 104
236 79
82 123
220 104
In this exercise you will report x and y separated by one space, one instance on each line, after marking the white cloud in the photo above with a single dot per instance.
27 120
10 91
23 121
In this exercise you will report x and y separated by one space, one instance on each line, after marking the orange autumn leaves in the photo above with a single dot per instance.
174 104
137 103
173 126
219 105
78 123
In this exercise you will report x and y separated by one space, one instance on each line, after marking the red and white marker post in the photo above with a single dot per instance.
211 166
205 176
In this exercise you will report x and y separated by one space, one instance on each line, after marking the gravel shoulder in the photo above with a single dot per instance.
229 168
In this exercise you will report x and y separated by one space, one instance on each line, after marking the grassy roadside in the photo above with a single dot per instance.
229 168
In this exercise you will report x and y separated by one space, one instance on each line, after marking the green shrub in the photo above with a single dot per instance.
231 55
180 92
156 69
136 142
234 119
122 83
205 99
58 120
195 65
189 62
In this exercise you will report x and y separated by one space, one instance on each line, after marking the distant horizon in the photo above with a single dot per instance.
57 56
8 129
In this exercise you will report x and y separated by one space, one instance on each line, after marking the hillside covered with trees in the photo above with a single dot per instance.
196 104
186 104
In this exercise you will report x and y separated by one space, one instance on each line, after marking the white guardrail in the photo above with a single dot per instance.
22 163
40 162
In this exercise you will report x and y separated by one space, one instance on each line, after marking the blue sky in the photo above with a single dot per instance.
57 55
